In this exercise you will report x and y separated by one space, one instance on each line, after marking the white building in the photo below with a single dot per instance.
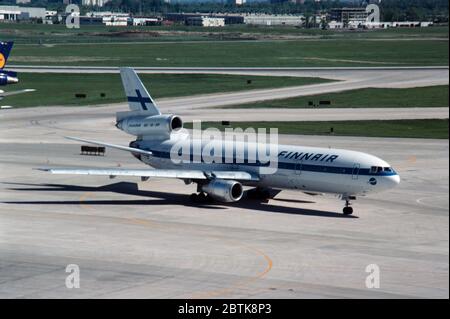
9 13
206 21
14 13
397 24
116 20
271 19
213 22
335 25
98 3
145 21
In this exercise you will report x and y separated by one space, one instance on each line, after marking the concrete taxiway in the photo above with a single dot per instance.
147 240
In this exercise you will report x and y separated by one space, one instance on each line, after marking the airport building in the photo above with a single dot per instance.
97 3
146 21
9 13
350 17
183 18
206 21
272 19
16 13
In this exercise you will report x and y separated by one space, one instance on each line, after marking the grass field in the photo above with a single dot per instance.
429 128
432 96
302 53
60 89
34 33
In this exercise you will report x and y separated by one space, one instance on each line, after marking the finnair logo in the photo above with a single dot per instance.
252 147
140 99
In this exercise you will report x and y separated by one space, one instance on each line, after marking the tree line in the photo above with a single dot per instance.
391 10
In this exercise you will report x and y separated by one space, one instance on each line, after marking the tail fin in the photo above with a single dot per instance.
138 97
5 49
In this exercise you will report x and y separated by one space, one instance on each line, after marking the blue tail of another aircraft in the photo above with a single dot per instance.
5 49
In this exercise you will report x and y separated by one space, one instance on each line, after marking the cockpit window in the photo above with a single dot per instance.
376 169
388 169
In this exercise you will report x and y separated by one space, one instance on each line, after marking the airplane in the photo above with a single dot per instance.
8 77
312 170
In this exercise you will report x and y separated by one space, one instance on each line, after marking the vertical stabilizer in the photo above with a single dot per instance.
5 49
138 97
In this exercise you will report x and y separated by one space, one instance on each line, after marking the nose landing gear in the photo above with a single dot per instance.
348 210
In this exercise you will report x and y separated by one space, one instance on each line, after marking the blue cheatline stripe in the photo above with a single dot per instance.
293 166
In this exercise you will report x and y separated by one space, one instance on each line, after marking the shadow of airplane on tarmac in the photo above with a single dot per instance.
158 198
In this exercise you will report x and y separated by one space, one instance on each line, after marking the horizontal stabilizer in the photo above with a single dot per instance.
119 147
4 94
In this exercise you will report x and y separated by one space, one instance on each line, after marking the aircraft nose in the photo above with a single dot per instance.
12 80
393 180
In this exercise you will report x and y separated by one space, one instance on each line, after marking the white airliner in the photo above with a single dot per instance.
307 169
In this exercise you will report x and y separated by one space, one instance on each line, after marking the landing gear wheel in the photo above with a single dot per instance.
200 198
348 210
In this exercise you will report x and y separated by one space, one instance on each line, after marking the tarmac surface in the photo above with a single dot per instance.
147 240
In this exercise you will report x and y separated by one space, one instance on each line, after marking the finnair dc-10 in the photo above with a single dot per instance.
345 173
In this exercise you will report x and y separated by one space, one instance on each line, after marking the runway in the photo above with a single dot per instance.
152 242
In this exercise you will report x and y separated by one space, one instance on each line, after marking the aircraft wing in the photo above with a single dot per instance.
163 173
4 94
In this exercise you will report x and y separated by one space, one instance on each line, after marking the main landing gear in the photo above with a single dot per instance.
200 198
348 210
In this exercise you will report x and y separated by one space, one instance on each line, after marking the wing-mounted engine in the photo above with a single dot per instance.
224 190
154 127
8 77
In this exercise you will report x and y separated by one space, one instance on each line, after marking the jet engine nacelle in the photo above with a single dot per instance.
8 78
224 190
156 125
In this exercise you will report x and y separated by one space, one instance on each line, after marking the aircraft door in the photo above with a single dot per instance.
355 171
298 168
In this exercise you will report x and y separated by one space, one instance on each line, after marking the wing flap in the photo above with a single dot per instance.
163 173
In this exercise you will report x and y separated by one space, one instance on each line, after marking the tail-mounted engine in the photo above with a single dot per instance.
156 126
